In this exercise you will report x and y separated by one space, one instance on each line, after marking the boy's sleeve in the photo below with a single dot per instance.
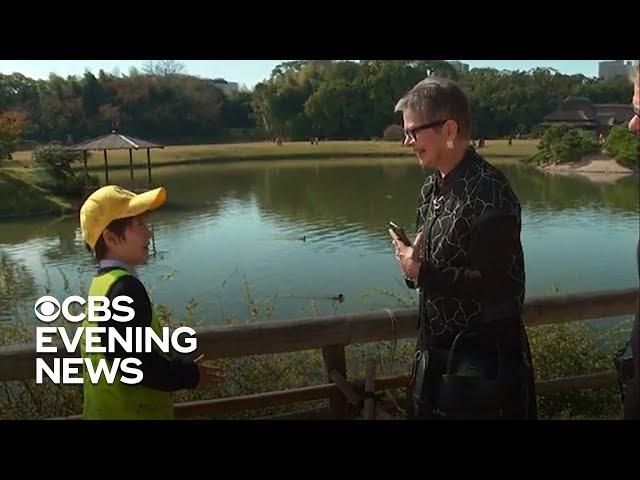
159 372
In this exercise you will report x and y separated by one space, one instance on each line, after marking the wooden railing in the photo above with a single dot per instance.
333 333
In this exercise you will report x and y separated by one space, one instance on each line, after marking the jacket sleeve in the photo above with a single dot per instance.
166 373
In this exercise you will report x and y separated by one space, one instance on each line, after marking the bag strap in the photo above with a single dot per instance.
471 332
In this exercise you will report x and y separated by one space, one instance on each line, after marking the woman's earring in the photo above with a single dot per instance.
450 144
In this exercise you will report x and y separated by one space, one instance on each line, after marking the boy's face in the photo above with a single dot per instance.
133 247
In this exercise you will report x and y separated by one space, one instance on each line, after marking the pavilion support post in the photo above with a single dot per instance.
86 170
149 164
106 168
131 164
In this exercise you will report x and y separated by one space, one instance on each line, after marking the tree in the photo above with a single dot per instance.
302 98
614 90
236 111
624 146
335 110
56 161
12 125
163 68
561 143
286 67
18 92
92 95
56 158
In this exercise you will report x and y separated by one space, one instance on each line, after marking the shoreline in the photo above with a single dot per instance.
596 167
592 163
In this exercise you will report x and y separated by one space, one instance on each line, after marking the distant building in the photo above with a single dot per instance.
579 112
461 67
228 88
613 68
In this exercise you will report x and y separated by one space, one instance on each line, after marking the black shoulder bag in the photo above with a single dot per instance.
467 383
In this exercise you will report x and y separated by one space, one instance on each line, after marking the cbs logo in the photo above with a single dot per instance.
48 308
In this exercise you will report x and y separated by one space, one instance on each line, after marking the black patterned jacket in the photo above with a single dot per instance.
472 262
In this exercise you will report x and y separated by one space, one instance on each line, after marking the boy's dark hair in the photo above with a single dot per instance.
117 227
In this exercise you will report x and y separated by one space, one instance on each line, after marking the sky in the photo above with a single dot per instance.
250 72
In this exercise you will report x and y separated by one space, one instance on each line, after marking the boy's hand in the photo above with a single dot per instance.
208 375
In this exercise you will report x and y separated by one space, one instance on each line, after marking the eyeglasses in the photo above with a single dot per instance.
410 133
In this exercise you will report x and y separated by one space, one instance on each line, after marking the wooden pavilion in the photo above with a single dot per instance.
115 141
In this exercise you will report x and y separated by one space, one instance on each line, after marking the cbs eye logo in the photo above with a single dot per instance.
49 308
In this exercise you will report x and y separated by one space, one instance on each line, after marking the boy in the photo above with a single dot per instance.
114 226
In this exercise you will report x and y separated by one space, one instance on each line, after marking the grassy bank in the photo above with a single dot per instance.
21 195
186 154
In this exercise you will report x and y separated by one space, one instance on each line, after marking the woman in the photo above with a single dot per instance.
468 263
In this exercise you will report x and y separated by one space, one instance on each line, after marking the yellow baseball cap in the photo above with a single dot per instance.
112 203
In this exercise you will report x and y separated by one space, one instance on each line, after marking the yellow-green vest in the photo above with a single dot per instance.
120 401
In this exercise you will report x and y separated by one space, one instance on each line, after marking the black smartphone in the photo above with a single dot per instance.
399 231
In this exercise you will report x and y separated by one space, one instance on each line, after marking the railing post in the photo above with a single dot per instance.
369 412
334 359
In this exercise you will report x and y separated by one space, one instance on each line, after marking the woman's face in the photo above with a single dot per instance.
429 143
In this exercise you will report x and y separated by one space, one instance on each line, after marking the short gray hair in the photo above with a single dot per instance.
634 74
439 99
